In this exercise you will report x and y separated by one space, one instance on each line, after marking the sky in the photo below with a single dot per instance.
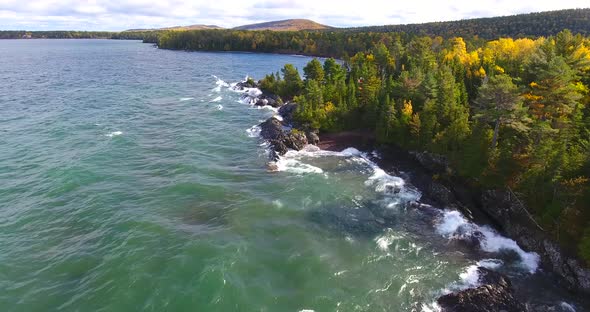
116 15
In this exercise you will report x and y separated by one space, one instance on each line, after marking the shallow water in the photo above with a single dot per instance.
130 181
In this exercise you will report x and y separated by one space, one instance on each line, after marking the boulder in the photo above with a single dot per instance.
312 138
277 148
272 129
441 194
296 140
286 111
433 162
469 237
249 83
494 294
268 99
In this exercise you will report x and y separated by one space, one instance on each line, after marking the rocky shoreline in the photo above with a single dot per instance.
499 208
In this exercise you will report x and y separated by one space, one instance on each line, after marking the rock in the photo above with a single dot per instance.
494 295
469 237
272 129
507 211
440 194
277 148
269 99
433 162
296 140
286 111
250 83
312 138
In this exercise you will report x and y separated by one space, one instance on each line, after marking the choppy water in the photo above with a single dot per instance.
129 181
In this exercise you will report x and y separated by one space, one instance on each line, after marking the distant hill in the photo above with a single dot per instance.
522 25
285 25
190 27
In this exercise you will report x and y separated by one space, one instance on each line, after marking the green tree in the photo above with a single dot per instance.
292 83
499 102
314 71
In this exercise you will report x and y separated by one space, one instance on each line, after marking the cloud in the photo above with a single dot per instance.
124 14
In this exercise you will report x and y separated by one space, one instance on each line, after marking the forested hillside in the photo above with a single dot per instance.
341 42
508 112
523 25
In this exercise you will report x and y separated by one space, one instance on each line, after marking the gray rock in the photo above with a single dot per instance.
312 137
494 295
433 162
272 129
296 140
286 111
269 99
441 194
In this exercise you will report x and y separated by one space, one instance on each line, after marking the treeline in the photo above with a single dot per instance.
315 43
55 34
508 112
517 26
148 36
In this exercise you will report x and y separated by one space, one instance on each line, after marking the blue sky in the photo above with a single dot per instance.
124 14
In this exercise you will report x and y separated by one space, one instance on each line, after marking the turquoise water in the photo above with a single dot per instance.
129 182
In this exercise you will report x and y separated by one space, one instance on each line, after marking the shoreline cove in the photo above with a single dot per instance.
451 224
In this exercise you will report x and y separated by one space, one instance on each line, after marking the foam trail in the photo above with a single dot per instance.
184 99
217 99
114 133
454 224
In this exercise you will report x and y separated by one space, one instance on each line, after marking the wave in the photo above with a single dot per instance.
454 225
220 83
217 99
114 133
184 99
254 131
290 162
395 189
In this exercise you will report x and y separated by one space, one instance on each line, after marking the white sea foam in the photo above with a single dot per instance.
394 189
567 307
114 133
220 83
184 99
254 131
386 239
217 99
287 164
454 223
219 107
432 307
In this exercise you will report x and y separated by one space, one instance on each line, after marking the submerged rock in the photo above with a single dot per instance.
494 295
356 221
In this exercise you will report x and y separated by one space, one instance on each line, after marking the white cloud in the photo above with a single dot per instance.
124 14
